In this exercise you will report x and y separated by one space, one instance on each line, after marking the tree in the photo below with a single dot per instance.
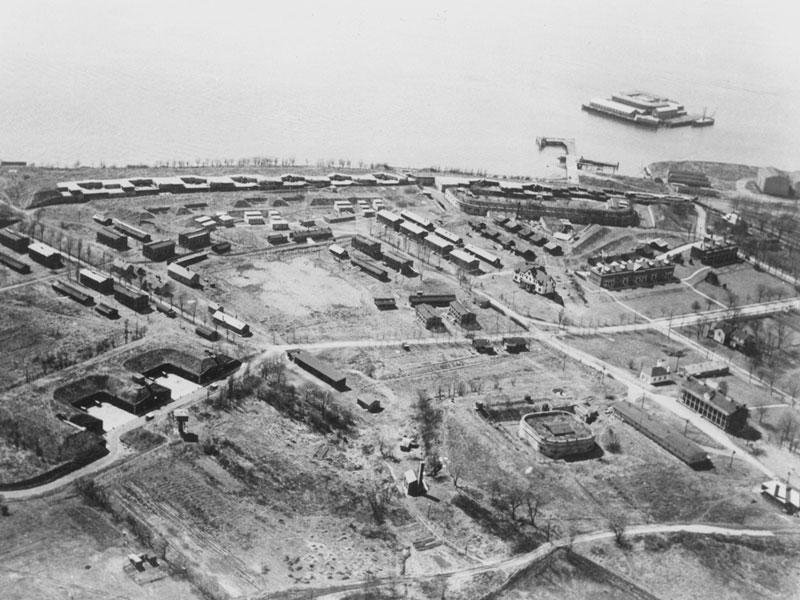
379 495
532 502
696 306
618 522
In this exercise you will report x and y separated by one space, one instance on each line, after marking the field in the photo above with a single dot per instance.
684 565
61 547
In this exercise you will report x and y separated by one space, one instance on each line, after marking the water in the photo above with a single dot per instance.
417 84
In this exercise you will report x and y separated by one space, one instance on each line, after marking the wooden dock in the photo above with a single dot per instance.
571 158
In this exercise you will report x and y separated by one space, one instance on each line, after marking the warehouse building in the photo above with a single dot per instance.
14 263
464 261
183 275
44 255
109 312
713 406
96 281
132 231
112 239
413 231
385 302
449 236
14 240
159 251
69 290
231 323
370 268
319 368
397 261
461 315
133 300
367 246
198 238
429 318
438 244
221 247
716 253
191 258
338 251
390 219
207 333
773 182
416 219
482 254
671 440
432 297
277 238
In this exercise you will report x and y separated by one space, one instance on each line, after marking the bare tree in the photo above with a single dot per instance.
618 522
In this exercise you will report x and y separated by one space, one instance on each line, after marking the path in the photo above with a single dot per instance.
522 561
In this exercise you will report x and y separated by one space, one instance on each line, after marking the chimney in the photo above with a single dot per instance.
420 475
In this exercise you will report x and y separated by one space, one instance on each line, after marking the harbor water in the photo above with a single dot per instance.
416 84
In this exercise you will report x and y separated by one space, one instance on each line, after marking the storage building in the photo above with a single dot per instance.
191 258
482 254
134 300
389 218
197 238
438 244
773 182
385 302
123 269
449 236
319 368
461 315
96 281
207 333
671 440
14 240
417 219
44 255
397 261
277 238
367 246
338 251
231 323
132 231
183 275
112 239
465 261
221 247
69 290
371 268
14 263
429 318
413 231
159 251
109 312
432 297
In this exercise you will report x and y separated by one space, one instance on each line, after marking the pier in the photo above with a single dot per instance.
571 158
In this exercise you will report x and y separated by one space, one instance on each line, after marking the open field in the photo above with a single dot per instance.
61 546
684 565
747 284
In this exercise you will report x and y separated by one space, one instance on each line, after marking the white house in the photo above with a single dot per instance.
535 280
